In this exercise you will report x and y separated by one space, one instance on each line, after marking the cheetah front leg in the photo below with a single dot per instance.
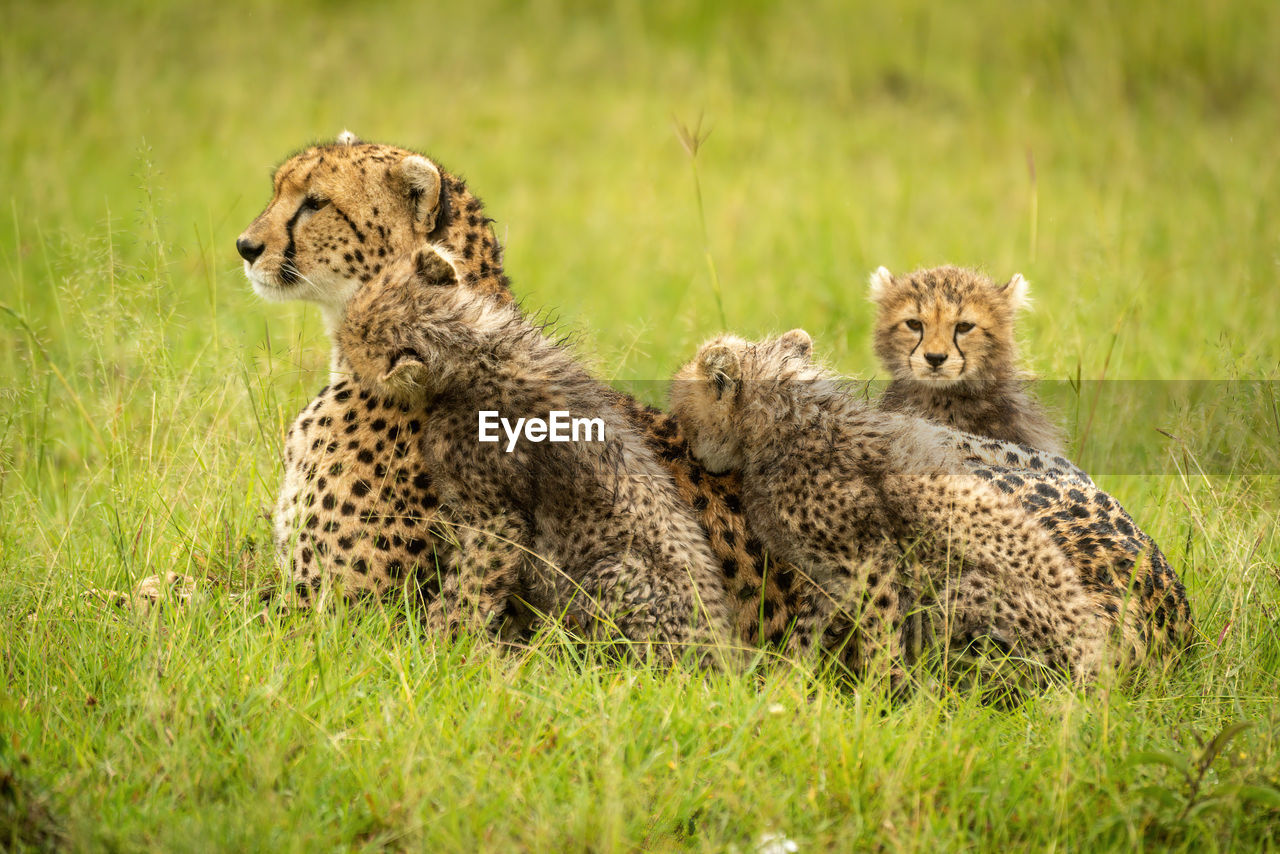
858 610
835 535
481 577
658 612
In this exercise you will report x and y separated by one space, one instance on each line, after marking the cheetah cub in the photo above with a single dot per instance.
832 485
946 337
593 527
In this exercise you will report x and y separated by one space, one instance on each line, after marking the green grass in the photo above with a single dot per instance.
144 392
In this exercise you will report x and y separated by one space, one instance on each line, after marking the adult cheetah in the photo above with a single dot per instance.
356 494
367 499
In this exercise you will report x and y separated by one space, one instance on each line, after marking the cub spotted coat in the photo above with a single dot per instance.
600 530
833 485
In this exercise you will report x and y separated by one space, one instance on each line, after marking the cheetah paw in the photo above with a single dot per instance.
155 590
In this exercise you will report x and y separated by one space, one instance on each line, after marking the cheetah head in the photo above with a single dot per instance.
339 213
945 325
710 395
411 330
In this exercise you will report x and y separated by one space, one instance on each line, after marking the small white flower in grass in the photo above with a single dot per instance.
776 708
776 843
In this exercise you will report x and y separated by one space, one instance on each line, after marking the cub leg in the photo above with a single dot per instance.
481 577
660 611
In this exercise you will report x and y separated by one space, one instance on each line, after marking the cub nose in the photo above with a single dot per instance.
935 359
249 250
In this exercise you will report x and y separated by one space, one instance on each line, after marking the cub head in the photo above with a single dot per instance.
400 328
946 325
709 395
339 213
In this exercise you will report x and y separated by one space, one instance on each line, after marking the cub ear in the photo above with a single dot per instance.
798 342
881 279
420 180
407 377
1019 292
433 268
348 138
720 365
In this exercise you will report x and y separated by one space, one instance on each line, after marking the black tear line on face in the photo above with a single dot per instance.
955 339
289 273
919 341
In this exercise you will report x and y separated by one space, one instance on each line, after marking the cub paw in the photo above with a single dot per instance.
156 590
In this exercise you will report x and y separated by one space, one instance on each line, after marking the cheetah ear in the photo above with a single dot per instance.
881 279
1019 292
348 138
407 377
434 267
799 342
420 179
720 365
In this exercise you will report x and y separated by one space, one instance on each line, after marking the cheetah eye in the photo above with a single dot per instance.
313 203
914 325
963 327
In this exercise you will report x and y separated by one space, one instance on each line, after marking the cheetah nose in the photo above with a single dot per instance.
935 360
249 250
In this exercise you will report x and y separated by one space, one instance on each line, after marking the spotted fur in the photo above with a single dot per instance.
358 509
946 337
397 527
340 212
605 537
836 487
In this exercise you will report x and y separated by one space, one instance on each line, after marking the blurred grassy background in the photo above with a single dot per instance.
842 137
1123 158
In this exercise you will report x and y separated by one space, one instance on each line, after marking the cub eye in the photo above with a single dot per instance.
313 203
963 327
914 325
